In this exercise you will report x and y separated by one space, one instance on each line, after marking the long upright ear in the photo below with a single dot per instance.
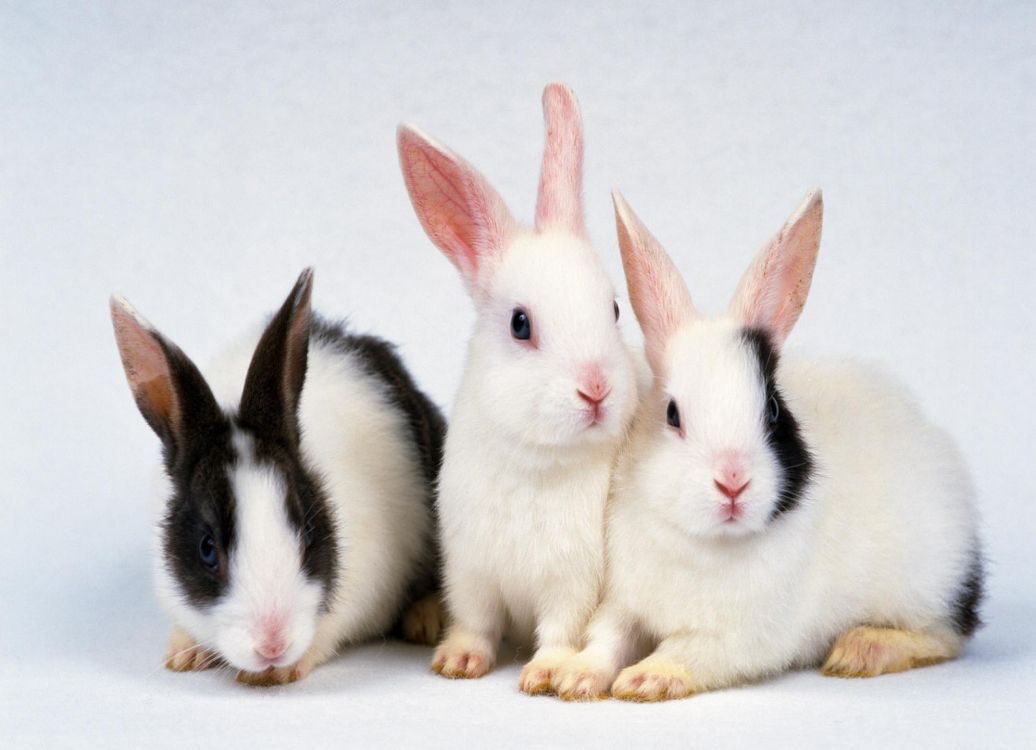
657 291
169 390
460 212
559 202
773 290
273 385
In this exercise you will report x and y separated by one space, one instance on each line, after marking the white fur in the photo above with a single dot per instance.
884 534
524 480
360 449
527 459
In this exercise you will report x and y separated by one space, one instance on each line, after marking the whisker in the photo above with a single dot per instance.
204 645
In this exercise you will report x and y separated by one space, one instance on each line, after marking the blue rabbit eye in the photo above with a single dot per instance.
774 411
672 415
521 328
208 552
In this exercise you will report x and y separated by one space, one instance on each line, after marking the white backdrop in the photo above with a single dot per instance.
196 157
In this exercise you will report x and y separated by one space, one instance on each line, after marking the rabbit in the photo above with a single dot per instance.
300 508
548 391
771 513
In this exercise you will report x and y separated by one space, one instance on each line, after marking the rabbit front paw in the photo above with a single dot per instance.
653 680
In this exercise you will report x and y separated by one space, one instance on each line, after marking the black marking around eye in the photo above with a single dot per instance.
202 503
783 433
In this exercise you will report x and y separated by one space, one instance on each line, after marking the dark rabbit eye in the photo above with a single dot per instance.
208 552
773 410
616 306
672 415
521 328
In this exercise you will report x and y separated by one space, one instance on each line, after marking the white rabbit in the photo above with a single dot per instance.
771 514
547 395
299 507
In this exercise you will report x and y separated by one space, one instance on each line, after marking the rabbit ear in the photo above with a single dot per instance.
461 213
657 291
773 290
560 199
169 390
273 385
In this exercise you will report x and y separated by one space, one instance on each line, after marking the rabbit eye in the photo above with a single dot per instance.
521 328
616 306
773 410
208 552
672 415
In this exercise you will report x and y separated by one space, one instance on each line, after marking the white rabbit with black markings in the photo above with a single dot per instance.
547 394
771 513
300 507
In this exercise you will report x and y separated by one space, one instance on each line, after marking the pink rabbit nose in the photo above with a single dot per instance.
272 646
593 388
270 641
732 490
594 397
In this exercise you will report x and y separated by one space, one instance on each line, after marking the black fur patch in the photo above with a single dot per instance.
427 425
201 504
965 611
200 418
277 371
197 453
784 435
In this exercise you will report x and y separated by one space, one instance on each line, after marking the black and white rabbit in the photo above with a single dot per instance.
300 512
771 513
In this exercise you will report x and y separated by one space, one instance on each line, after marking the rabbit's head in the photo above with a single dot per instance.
724 455
547 364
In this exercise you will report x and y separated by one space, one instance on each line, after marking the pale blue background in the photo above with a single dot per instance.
196 156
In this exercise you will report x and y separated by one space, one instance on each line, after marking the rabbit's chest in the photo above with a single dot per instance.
527 535
545 530
679 590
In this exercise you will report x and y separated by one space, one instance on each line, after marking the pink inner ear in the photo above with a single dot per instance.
560 199
657 291
146 366
458 209
773 291
437 191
